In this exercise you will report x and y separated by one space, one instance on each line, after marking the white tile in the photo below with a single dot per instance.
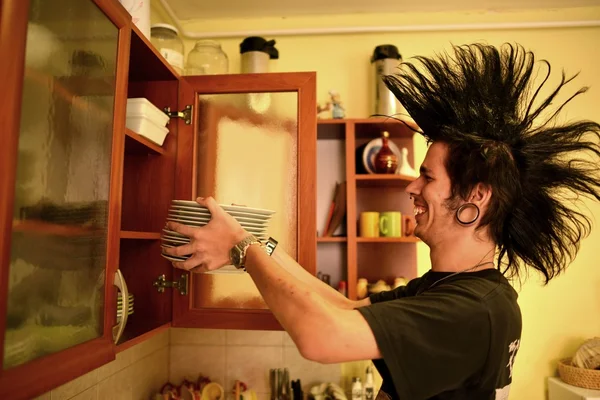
254 338
309 372
76 386
197 336
45 396
149 346
90 394
118 386
150 374
251 365
191 361
287 340
122 360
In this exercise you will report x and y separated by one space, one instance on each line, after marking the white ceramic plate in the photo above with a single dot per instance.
171 258
261 217
188 214
371 150
226 207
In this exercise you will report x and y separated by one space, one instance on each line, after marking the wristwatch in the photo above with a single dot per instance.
237 254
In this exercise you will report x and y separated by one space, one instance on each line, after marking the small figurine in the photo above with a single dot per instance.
337 112
335 105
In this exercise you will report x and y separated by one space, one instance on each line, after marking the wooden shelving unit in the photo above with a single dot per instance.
353 257
138 144
139 235
48 228
383 180
409 239
332 239
148 188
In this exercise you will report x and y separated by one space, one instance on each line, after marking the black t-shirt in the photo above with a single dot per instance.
456 340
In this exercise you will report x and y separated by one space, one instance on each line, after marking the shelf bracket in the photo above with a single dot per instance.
185 115
182 284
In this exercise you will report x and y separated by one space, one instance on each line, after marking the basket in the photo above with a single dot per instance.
581 377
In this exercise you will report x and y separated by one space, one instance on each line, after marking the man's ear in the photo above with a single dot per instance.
481 195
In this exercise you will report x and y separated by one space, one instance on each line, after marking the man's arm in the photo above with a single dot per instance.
328 293
321 331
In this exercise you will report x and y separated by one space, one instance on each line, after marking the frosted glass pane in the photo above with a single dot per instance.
58 243
253 141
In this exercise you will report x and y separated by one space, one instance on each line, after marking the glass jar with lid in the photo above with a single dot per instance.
166 40
207 58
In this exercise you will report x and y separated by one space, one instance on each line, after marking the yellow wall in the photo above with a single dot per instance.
557 318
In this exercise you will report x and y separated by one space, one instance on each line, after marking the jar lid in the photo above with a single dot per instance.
385 51
207 42
165 26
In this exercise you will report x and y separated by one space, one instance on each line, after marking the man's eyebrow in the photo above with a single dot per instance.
424 170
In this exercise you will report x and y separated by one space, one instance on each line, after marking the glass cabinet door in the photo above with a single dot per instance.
252 143
56 279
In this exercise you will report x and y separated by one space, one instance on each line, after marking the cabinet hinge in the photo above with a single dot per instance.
186 114
182 284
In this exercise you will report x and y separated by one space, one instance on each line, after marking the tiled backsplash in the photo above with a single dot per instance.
227 355
223 355
135 374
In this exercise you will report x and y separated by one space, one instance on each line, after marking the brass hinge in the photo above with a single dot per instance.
182 284
186 114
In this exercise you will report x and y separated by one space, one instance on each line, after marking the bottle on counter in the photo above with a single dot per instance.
357 389
369 390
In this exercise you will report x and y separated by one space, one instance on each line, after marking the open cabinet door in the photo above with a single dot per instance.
252 142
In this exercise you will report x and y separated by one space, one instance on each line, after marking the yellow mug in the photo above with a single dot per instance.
369 224
390 224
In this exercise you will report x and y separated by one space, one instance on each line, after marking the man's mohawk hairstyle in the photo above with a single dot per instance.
483 102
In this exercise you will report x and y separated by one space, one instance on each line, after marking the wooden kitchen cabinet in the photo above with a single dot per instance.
349 257
83 199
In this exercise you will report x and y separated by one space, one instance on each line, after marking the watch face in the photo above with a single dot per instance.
234 254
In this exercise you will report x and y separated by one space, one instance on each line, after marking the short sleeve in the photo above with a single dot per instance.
397 293
431 343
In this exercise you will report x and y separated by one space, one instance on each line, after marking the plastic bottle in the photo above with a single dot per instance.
357 389
369 390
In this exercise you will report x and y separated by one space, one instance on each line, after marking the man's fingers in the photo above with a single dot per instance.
183 250
181 228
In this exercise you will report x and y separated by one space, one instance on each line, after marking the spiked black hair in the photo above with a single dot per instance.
483 104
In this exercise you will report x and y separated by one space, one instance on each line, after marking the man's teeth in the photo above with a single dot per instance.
419 210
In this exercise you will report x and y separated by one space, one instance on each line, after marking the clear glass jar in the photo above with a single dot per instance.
168 43
207 58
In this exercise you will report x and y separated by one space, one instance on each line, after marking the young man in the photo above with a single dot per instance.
487 203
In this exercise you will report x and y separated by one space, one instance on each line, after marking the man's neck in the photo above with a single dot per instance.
460 254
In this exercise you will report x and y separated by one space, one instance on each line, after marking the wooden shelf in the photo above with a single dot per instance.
331 239
139 235
407 239
383 180
125 344
137 144
145 62
48 228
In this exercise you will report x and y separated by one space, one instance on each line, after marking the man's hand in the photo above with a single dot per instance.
210 244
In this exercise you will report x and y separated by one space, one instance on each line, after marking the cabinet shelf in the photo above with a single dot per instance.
407 239
48 228
145 62
331 239
137 144
139 235
383 180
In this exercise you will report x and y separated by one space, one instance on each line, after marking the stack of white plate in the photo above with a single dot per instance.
120 305
253 220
